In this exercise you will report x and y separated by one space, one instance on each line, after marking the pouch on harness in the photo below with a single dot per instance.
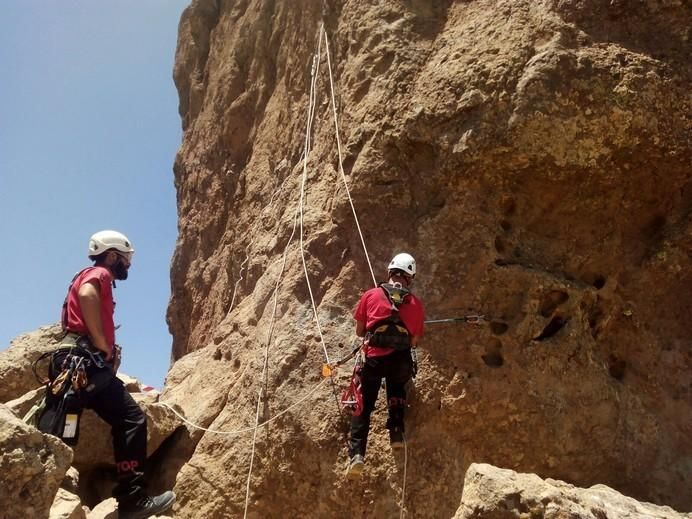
391 332
73 372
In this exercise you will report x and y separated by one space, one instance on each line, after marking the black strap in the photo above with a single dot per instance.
67 297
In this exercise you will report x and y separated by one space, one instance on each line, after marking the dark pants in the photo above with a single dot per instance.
395 368
115 406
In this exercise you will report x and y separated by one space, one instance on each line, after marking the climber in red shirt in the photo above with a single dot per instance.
390 319
87 319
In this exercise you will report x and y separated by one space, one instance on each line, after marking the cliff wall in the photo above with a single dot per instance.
534 156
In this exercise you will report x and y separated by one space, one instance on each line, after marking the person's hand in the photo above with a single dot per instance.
117 357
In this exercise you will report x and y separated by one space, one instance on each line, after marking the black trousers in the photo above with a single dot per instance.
396 369
114 404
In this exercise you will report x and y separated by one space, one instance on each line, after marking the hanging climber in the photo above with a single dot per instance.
390 320
87 319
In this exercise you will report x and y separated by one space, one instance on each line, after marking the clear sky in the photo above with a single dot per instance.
89 128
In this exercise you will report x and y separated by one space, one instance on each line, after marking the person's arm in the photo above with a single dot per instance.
90 304
414 340
360 328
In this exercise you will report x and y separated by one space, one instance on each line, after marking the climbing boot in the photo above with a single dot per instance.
146 506
396 438
355 467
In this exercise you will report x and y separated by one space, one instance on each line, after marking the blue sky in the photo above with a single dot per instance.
89 128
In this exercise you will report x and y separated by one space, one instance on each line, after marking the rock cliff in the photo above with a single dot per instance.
534 156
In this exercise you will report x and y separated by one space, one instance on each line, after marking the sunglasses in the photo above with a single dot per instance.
126 255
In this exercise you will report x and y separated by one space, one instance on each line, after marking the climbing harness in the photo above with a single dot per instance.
73 371
391 332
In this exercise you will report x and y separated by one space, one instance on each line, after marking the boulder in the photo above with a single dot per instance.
71 481
67 505
32 466
108 509
495 493
16 376
95 447
131 384
23 404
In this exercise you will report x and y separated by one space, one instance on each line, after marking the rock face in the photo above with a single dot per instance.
32 465
493 493
532 155
16 377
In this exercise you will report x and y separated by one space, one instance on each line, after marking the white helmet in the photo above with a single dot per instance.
104 240
405 262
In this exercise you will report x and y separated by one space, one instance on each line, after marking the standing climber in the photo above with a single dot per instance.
87 319
390 320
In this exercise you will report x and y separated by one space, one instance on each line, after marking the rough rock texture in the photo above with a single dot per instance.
16 377
532 155
66 506
95 448
32 465
494 493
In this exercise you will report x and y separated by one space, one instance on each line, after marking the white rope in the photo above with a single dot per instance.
240 274
306 151
403 487
247 429
252 452
341 165
313 82
360 233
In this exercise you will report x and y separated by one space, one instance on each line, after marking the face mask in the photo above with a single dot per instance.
119 270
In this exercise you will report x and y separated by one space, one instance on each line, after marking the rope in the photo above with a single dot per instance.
252 452
313 82
341 165
360 233
240 274
247 429
308 132
403 487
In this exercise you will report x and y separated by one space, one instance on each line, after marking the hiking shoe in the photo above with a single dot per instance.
355 467
147 506
396 439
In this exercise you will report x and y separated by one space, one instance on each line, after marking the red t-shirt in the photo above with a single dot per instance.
72 314
374 306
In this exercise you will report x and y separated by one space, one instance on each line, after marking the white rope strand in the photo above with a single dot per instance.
247 429
252 452
308 132
302 202
341 165
403 487
240 274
